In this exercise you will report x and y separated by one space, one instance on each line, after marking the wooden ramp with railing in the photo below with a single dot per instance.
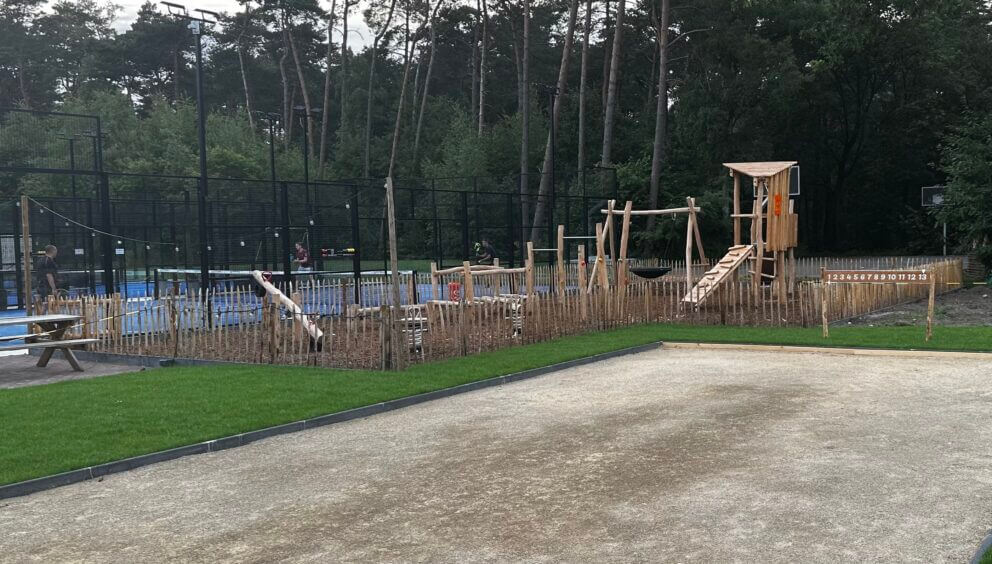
735 257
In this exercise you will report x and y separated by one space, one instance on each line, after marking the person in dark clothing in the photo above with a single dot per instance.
302 258
47 271
485 252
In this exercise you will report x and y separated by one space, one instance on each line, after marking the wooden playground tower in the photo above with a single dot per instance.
769 252
773 236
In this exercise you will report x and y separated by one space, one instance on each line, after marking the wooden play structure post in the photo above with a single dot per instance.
598 275
621 262
529 269
774 224
688 253
609 230
434 286
757 227
26 253
622 268
396 353
930 302
468 291
737 209
583 306
561 260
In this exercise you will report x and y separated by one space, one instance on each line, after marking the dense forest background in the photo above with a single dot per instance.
875 99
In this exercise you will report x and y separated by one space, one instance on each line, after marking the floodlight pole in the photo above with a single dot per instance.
201 195
272 155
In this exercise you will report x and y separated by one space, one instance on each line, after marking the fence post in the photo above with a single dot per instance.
437 226
107 242
186 222
823 301
510 239
356 235
465 242
26 253
18 273
287 262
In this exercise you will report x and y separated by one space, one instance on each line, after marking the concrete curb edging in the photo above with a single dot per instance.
26 487
982 549
828 350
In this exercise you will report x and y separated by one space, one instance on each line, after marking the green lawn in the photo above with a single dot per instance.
986 558
58 427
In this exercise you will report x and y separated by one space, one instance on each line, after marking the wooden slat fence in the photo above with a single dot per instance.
236 325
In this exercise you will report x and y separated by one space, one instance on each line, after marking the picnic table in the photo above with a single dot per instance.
51 337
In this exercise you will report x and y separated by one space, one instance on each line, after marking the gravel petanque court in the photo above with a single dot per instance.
665 456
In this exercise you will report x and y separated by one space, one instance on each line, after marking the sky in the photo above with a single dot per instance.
357 30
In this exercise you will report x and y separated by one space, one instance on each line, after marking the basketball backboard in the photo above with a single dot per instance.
932 196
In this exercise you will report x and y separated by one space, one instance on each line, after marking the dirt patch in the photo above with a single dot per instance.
965 307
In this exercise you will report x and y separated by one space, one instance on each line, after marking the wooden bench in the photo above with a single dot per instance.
53 329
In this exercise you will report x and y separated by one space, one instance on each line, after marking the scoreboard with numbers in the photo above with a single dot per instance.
876 276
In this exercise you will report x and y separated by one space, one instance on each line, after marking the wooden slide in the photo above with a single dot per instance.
715 276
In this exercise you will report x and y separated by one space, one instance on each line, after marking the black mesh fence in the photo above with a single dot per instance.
152 222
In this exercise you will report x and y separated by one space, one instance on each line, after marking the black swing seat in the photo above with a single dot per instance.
650 272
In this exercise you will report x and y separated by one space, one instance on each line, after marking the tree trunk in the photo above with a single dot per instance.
176 66
427 84
525 123
546 170
287 107
475 60
607 50
407 55
325 122
414 91
23 83
288 124
516 50
368 106
583 72
659 154
611 94
244 68
303 88
344 69
244 83
482 66
397 350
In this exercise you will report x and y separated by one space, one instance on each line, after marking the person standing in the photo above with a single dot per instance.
302 258
47 271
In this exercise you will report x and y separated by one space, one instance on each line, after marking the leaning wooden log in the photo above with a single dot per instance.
294 310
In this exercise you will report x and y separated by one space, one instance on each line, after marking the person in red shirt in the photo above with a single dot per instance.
302 258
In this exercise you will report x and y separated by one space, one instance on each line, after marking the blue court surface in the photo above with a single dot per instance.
144 313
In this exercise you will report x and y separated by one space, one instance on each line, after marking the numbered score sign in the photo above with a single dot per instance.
920 277
876 276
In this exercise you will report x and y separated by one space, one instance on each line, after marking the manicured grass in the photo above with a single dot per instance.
986 558
58 427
